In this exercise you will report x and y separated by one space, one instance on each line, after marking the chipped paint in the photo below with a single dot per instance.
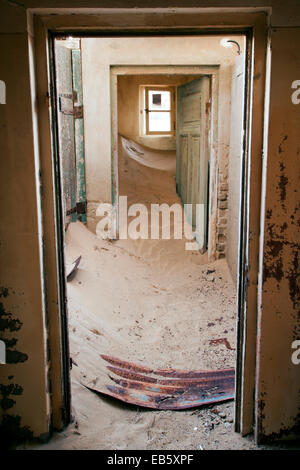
6 391
278 378
79 134
10 324
63 62
11 430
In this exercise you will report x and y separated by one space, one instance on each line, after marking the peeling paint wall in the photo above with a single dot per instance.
23 393
279 319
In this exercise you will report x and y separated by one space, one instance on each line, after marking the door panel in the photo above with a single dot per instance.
195 156
192 157
181 166
79 137
191 107
71 132
64 85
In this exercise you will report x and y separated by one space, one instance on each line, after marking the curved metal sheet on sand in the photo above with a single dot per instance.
166 389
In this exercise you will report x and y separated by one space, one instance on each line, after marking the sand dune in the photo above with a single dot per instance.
159 160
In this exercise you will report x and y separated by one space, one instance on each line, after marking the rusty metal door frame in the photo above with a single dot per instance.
44 26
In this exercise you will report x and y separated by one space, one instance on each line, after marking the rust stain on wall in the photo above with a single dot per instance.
10 324
11 430
283 181
278 412
277 240
6 391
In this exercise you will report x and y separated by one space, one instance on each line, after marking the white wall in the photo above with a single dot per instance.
130 108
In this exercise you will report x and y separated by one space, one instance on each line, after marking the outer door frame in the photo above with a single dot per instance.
43 25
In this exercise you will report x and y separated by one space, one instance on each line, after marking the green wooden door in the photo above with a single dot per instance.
79 136
71 132
192 156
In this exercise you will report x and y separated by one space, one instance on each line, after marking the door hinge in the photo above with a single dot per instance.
79 209
78 112
67 107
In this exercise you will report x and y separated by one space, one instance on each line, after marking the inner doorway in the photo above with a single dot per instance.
174 119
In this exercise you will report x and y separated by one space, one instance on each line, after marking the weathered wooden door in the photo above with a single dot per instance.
192 155
71 132
79 136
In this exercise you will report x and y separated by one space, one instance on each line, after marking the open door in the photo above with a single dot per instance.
71 131
192 155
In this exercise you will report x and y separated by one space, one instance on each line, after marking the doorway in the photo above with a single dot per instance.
191 137
192 134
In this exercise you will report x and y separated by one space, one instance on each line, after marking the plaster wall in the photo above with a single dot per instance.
129 110
99 54
24 399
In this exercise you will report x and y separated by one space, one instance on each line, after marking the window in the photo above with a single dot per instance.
159 110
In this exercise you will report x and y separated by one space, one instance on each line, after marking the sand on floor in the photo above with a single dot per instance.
148 301
154 303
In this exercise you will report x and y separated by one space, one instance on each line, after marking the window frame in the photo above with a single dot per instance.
146 111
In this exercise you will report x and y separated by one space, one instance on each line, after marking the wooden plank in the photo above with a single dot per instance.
193 122
63 62
79 133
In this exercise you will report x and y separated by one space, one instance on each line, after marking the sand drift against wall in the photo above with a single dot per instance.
157 159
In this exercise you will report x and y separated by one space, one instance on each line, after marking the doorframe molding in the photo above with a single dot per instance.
43 25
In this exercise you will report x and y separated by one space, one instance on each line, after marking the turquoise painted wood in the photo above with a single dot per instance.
79 133
192 156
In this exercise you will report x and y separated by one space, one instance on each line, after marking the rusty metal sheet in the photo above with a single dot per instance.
222 341
166 389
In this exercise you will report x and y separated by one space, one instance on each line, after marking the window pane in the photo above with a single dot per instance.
159 122
159 100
